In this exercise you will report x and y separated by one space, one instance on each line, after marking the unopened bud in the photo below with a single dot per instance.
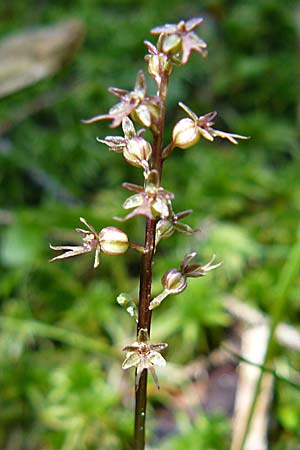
164 229
173 281
126 301
154 66
185 134
137 151
158 65
113 241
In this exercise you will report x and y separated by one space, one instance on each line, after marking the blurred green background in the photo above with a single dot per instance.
61 330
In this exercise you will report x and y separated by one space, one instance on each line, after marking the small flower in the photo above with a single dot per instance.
143 355
151 201
188 131
136 150
197 270
181 38
136 103
158 62
110 240
174 280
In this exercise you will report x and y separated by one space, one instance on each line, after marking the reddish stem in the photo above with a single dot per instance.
144 314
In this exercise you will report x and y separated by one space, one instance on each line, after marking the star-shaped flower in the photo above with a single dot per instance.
136 103
174 281
151 201
110 240
181 38
136 150
144 356
197 270
188 131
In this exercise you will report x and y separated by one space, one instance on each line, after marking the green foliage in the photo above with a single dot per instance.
211 433
61 330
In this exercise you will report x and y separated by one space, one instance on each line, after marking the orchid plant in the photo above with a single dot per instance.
173 48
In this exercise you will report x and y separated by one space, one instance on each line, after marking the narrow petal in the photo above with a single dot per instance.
189 44
128 128
183 228
159 347
88 226
69 254
151 47
112 141
168 28
231 137
193 23
81 231
154 376
118 92
157 359
133 201
187 259
97 118
142 211
132 359
206 134
209 265
64 247
140 84
97 257
131 348
189 112
183 214
133 187
197 41
139 371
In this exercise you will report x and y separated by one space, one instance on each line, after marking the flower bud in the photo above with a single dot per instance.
185 134
126 301
157 65
173 281
137 151
113 241
154 66
164 229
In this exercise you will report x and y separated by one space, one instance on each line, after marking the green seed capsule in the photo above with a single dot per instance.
185 134
113 241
